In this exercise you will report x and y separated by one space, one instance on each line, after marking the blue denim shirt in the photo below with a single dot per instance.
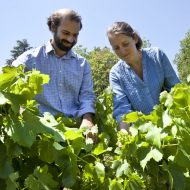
131 93
70 89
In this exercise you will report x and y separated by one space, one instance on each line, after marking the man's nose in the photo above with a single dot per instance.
70 39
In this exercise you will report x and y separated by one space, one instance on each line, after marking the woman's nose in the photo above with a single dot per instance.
122 50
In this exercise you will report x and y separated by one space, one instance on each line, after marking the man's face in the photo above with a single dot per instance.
66 35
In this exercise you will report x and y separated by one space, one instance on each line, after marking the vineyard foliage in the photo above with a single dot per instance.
45 152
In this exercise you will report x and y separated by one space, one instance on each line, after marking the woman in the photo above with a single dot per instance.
141 74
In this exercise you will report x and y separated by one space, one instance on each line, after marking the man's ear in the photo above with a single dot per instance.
53 28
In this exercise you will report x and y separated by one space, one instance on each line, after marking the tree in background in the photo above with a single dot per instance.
146 43
81 51
21 47
182 59
101 61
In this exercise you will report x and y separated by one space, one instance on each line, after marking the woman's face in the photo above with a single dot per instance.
124 46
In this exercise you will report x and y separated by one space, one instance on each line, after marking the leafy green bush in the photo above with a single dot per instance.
46 152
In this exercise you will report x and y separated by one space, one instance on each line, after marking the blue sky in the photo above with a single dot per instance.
163 22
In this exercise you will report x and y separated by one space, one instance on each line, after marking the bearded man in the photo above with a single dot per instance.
70 89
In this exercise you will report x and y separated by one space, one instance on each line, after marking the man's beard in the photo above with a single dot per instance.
60 44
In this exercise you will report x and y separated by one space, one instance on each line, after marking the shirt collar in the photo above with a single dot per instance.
124 64
49 49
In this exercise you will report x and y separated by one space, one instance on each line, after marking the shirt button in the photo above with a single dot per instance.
60 71
60 84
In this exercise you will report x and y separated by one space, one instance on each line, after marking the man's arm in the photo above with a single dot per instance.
86 95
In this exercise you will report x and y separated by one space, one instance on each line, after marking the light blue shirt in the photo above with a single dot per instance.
131 93
70 89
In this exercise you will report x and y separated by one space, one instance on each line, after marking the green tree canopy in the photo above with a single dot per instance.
101 61
182 59
21 47
146 43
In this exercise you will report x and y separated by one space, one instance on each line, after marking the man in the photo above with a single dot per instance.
70 89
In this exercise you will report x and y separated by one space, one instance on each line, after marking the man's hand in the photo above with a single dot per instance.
88 123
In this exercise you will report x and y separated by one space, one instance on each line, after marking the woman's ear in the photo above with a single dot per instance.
135 37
